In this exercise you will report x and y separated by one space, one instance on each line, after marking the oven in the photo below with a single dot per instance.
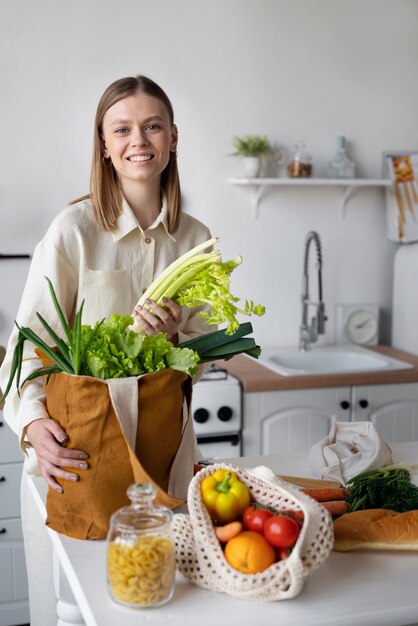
217 414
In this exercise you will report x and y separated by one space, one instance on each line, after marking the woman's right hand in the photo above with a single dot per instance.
48 439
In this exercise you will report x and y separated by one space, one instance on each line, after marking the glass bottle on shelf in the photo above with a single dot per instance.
301 164
341 166
140 551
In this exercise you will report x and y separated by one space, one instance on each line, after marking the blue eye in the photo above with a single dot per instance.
120 131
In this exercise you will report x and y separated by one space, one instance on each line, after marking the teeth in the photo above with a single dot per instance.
145 157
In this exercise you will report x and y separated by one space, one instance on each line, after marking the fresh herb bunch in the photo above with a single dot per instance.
389 487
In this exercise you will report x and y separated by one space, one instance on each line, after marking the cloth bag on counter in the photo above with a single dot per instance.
135 429
350 449
200 558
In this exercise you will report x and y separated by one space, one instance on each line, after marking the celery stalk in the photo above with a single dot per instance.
175 281
200 278
176 265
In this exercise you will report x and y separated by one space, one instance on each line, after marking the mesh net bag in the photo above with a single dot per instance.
200 558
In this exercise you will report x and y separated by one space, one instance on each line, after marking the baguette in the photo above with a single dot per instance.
376 529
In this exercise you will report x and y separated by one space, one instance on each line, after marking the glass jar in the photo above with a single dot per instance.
140 551
341 166
301 165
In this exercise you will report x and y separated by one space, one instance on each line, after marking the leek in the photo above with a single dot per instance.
218 345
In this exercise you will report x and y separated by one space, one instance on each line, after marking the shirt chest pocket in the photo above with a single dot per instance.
105 292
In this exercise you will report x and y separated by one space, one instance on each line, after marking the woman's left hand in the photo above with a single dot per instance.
160 320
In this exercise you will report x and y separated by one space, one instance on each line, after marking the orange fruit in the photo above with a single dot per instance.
249 553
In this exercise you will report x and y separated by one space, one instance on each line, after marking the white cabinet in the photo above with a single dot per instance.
292 421
13 581
393 409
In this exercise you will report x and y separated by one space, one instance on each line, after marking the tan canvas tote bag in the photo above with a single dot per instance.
134 429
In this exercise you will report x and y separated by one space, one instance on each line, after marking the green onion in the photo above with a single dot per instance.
65 357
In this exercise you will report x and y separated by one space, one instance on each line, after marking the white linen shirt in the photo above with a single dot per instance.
110 271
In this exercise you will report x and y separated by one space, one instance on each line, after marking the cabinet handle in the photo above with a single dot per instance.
2 479
345 405
3 531
363 404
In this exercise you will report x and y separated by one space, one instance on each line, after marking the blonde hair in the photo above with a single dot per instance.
105 191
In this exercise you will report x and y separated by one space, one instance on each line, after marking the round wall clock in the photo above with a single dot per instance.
358 324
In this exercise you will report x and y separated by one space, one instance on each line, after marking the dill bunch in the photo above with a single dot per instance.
389 487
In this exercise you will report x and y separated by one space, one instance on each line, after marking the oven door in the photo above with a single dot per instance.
219 446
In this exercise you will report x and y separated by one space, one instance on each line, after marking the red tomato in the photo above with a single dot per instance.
282 553
247 515
257 519
281 531
297 515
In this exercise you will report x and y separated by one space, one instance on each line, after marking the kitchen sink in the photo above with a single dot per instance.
328 360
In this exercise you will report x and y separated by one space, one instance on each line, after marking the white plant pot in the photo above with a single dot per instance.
252 166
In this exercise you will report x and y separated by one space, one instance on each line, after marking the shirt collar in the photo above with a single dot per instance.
127 221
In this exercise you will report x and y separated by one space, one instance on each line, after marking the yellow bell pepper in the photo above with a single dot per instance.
224 495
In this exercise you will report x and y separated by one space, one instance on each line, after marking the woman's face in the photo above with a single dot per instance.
138 136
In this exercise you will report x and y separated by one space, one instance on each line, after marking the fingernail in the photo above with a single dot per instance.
165 299
73 477
59 489
83 465
148 301
83 455
63 439
138 308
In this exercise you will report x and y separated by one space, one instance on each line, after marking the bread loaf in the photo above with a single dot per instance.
376 529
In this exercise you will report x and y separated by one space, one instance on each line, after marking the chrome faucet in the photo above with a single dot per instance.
310 330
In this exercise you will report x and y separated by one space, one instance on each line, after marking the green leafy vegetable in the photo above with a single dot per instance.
387 488
107 350
201 278
111 349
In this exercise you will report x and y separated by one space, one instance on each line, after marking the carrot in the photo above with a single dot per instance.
228 531
336 507
325 494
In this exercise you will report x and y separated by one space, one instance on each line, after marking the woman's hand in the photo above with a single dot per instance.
47 437
160 320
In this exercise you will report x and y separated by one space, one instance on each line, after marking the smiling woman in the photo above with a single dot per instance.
138 137
107 248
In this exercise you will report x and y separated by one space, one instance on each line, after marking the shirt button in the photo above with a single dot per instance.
147 239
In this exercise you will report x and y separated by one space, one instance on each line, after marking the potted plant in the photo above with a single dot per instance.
252 148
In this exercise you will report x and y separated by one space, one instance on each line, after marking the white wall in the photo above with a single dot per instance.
291 69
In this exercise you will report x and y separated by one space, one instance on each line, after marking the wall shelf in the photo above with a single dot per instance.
349 185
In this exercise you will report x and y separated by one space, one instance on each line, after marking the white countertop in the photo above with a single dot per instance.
373 588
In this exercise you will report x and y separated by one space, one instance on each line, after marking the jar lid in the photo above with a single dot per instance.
143 514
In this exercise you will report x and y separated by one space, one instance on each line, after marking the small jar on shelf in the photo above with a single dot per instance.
341 166
301 164
140 551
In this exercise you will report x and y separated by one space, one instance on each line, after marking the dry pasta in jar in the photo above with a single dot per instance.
140 551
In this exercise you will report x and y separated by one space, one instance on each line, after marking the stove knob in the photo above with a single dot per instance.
225 413
201 416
